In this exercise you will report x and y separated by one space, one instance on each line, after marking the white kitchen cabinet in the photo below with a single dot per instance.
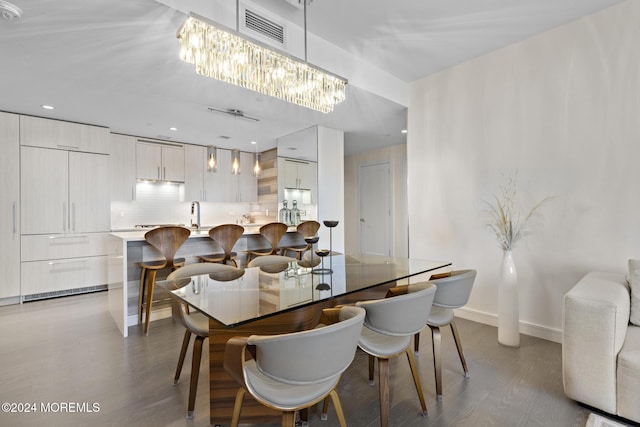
47 133
223 186
219 185
160 161
122 167
195 168
50 277
247 182
64 191
10 205
298 174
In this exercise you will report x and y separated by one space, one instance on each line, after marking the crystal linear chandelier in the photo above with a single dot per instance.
226 55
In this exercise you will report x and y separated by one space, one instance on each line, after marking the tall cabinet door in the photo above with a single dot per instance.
219 185
194 170
248 183
10 205
89 202
44 183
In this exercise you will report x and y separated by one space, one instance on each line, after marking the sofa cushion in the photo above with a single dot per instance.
634 285
628 375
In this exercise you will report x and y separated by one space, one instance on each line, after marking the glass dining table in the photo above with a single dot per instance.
282 298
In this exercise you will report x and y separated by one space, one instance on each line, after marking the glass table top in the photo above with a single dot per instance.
258 292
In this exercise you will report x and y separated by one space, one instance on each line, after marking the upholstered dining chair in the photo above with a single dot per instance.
388 328
225 236
294 371
304 229
194 323
272 233
453 291
167 240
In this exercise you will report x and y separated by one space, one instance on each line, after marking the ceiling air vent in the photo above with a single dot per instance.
263 26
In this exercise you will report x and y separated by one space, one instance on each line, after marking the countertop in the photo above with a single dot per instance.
137 234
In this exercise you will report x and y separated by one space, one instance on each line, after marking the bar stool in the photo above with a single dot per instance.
225 236
304 229
167 240
272 233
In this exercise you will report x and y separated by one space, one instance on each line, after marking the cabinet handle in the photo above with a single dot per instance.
158 172
64 216
133 193
72 217
77 236
15 227
73 261
164 172
69 147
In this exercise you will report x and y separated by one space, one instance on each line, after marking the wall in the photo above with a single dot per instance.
563 110
397 156
331 186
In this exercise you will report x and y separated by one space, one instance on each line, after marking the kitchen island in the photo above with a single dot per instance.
129 248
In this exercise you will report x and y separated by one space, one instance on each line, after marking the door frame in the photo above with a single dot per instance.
390 243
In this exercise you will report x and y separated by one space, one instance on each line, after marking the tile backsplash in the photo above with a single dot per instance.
161 203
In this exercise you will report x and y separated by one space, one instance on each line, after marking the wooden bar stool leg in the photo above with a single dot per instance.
143 275
151 282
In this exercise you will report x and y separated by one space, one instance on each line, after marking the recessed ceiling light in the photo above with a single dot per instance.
253 142
173 129
403 131
48 107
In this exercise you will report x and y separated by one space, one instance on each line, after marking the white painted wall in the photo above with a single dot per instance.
396 155
331 186
563 109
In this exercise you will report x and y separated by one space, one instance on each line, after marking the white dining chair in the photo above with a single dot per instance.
294 371
453 291
389 325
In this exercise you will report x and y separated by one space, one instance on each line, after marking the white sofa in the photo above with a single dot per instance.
601 349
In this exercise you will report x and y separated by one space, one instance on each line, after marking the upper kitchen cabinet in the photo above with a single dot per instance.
247 181
298 174
195 168
301 145
223 186
122 167
160 161
10 205
47 133
64 191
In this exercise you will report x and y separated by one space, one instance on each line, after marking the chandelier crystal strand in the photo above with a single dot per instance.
222 55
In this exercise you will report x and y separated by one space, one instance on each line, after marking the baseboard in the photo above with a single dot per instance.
526 328
9 301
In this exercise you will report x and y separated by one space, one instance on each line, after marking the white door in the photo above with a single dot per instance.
375 209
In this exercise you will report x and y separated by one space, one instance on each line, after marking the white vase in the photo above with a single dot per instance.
508 303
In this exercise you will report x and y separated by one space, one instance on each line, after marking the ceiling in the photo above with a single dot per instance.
115 63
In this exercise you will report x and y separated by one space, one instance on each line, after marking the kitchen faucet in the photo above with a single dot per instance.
195 209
